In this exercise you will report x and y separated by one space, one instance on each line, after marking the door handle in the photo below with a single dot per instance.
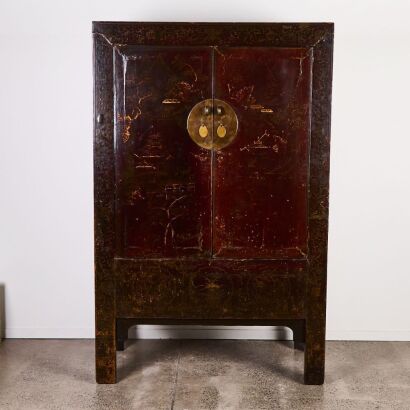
212 124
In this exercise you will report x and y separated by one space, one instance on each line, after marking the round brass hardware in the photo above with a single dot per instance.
212 124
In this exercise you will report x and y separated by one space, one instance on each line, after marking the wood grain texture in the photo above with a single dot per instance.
151 268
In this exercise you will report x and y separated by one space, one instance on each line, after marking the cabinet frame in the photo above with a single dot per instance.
308 327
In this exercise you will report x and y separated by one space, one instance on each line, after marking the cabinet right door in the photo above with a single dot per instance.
260 181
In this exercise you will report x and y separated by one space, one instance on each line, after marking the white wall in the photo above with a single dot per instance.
46 228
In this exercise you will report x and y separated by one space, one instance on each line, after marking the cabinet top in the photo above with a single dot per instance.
207 33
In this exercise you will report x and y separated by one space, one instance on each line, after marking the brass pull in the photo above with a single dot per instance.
212 128
221 131
203 131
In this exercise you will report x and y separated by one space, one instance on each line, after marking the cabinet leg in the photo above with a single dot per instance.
314 355
298 330
120 345
105 359
122 327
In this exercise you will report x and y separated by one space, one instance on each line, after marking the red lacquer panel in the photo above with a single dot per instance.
163 195
260 180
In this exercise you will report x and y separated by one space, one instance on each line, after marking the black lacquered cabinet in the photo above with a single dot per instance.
211 173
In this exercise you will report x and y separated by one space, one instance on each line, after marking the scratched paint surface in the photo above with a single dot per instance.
163 194
172 198
260 189
210 289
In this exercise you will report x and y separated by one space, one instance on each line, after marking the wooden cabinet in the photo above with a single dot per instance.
211 166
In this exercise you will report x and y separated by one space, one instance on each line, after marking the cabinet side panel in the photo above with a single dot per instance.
318 210
104 234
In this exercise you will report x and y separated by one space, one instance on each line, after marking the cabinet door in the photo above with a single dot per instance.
260 179
163 180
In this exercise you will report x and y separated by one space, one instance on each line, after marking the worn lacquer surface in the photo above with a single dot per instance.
196 235
104 242
260 195
163 186
216 289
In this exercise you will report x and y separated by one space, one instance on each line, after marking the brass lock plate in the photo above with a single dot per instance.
212 124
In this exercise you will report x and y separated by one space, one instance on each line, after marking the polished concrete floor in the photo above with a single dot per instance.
200 374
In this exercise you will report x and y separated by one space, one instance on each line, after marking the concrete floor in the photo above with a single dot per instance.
203 374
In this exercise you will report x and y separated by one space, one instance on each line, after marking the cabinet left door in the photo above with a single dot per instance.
163 179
